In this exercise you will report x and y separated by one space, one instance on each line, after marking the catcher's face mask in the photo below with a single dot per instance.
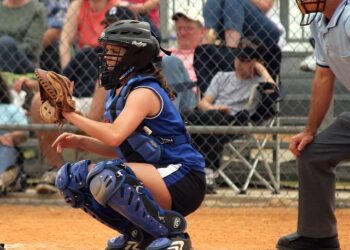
113 55
308 7
110 58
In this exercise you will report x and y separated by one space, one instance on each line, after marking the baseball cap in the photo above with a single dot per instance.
117 13
249 48
189 13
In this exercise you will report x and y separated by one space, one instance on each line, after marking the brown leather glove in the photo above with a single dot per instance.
55 96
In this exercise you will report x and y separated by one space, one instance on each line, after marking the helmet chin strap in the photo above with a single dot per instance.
123 76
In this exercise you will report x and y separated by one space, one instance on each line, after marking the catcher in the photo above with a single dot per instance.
156 177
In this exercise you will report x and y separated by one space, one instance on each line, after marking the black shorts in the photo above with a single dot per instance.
188 193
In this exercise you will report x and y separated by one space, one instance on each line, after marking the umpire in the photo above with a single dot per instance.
318 155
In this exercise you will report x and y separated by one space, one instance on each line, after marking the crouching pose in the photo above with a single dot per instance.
156 177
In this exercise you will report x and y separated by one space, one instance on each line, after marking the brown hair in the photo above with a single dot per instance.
158 74
5 96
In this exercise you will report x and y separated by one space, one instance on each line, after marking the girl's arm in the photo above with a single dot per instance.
141 103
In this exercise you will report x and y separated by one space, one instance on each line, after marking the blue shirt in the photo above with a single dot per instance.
332 42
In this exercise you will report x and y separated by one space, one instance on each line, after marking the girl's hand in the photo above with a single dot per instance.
66 140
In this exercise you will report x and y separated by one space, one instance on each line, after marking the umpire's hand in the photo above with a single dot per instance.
299 141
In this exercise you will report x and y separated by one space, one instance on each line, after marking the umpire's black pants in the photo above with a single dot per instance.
317 179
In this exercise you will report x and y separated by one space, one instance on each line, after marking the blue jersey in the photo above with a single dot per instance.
166 129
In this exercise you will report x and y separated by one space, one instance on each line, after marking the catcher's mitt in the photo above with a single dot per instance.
55 96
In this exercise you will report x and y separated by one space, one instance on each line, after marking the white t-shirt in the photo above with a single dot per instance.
227 89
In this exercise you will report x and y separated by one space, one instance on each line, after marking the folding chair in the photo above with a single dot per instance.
266 115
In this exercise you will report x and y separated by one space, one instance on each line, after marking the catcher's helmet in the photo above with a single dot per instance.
142 50
308 7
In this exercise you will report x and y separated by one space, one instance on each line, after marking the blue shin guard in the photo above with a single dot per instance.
71 181
114 185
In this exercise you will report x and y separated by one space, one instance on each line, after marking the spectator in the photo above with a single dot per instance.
235 18
225 98
22 24
148 9
189 33
81 29
12 115
56 13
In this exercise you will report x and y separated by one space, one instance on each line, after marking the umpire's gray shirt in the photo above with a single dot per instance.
333 42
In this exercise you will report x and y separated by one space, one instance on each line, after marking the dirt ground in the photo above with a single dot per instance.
62 228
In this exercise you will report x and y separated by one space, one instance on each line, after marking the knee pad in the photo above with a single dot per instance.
114 185
71 181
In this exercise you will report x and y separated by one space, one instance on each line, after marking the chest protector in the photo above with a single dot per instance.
143 145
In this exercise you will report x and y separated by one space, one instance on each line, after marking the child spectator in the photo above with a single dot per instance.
226 96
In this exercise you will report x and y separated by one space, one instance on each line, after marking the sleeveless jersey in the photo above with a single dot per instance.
166 130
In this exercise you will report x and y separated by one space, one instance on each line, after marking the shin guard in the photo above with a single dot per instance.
114 185
71 181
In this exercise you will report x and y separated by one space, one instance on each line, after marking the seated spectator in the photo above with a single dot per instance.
56 13
22 25
82 27
147 9
226 98
11 115
232 19
189 33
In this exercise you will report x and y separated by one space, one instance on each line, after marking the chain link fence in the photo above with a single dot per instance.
245 144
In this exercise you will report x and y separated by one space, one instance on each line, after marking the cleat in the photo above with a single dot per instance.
121 243
179 242
297 242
